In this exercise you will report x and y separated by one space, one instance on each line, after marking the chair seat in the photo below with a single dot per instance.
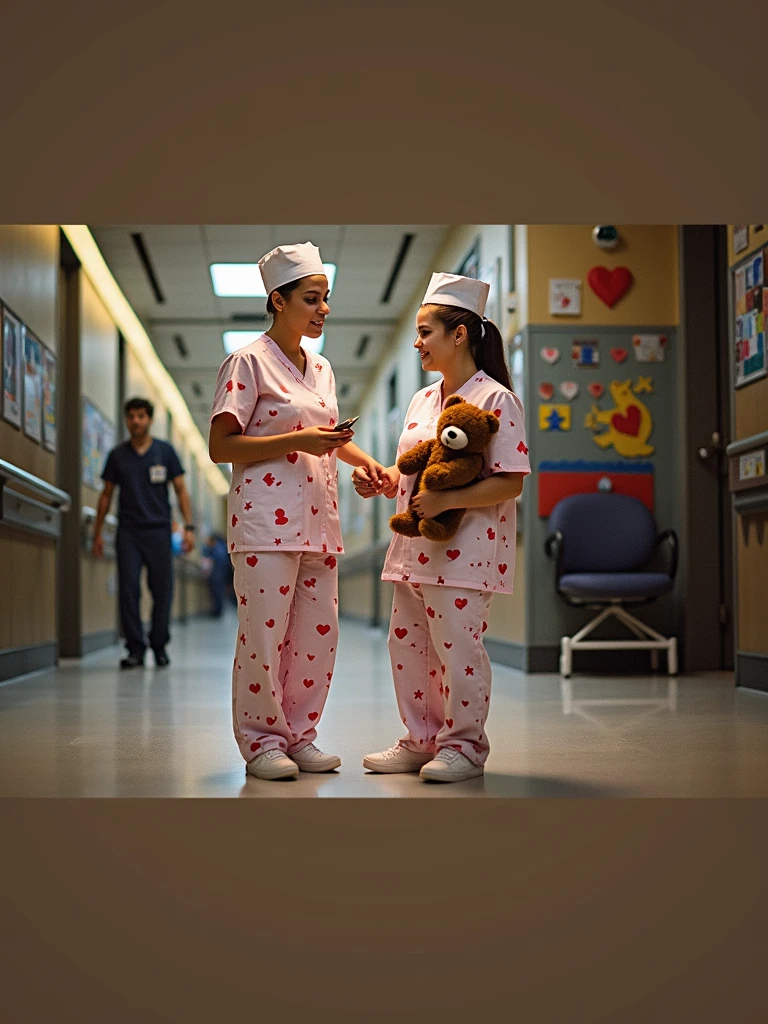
615 585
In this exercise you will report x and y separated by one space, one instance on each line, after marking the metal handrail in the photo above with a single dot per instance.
746 443
60 499
90 513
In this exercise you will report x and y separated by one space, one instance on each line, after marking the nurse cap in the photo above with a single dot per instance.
288 263
453 290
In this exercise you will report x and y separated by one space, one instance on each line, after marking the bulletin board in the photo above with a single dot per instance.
750 299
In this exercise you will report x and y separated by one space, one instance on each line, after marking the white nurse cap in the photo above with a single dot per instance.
288 263
453 290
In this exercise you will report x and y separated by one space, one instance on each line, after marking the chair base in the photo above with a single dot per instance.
647 640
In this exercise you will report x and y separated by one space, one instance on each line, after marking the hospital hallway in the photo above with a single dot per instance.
88 729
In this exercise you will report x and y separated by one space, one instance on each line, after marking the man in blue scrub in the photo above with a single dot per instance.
142 468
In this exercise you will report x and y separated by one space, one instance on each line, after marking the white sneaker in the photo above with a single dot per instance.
450 765
310 759
272 764
396 759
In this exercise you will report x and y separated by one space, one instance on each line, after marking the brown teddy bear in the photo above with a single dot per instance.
453 459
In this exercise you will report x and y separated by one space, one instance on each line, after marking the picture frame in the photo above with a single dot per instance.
98 440
49 400
470 265
492 277
12 368
33 385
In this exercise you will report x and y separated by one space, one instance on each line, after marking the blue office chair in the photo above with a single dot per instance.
605 546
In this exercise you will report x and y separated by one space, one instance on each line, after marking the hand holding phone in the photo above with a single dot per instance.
347 424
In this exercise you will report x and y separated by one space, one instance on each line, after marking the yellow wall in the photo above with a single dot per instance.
650 251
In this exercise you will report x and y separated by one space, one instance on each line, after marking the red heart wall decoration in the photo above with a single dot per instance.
610 285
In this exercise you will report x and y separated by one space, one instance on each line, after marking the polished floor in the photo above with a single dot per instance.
87 729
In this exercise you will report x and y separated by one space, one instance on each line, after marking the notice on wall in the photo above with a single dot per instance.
564 297
740 237
752 465
750 300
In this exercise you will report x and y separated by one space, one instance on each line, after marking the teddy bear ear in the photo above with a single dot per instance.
493 422
453 400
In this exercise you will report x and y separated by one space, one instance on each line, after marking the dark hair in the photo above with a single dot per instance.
487 350
285 290
139 403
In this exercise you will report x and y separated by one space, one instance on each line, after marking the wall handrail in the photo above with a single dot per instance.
747 443
56 497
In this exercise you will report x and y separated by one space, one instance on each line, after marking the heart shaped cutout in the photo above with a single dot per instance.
610 285
546 391
595 388
569 389
628 424
618 355
550 355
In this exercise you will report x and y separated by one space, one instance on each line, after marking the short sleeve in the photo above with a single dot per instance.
109 473
236 389
174 465
508 451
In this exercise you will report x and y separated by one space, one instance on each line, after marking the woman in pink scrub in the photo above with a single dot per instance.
443 591
274 417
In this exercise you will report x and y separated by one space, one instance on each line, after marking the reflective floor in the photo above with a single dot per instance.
88 729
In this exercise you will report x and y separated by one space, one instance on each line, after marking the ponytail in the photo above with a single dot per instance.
485 341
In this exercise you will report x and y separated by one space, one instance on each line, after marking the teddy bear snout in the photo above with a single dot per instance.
453 437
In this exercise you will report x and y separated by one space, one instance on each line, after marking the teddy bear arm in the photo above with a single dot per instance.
415 459
457 473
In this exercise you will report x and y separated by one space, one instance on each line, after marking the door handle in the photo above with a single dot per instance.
715 447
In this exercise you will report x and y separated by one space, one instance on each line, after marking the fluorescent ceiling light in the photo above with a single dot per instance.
243 280
234 340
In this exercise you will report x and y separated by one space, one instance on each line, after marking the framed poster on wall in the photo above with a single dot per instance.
492 276
98 442
750 298
470 265
12 364
49 400
33 386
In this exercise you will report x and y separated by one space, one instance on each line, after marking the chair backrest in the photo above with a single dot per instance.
603 532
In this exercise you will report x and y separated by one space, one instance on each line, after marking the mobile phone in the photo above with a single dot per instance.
346 424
